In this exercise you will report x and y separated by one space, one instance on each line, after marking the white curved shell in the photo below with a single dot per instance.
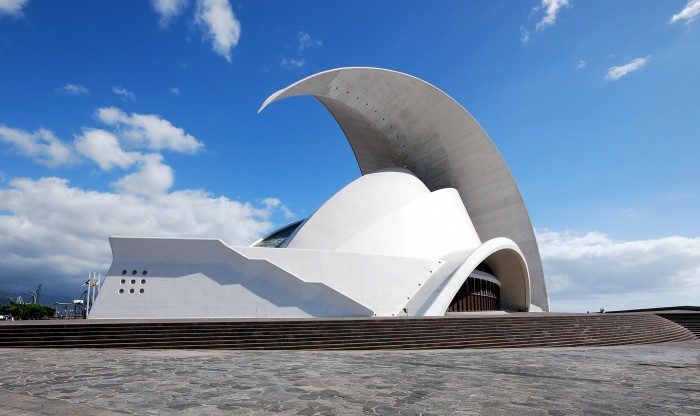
389 213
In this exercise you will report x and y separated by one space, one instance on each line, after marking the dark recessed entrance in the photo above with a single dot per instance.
476 295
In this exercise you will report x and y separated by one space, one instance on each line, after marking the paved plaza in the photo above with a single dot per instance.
630 380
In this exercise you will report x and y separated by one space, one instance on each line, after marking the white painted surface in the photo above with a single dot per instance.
391 213
205 278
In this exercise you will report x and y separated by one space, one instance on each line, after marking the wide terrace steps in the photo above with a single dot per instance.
484 331
688 320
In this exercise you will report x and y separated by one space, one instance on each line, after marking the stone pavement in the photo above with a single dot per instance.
630 380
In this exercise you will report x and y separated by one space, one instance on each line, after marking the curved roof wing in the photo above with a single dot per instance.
396 120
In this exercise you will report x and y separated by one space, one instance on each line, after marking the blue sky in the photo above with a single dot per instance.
140 118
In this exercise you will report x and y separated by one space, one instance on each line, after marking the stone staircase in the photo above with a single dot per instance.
688 320
482 331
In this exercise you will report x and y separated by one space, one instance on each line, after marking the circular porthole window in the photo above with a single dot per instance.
133 281
145 272
121 290
140 290
133 272
123 281
143 281
131 290
123 272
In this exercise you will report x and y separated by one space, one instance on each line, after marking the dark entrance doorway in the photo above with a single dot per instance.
476 295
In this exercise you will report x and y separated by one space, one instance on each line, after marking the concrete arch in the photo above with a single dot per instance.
509 266
396 120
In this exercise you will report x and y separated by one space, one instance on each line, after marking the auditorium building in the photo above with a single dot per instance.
434 224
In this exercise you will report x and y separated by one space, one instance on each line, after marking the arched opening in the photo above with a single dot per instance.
499 282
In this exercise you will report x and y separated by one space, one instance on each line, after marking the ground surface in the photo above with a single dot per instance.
640 380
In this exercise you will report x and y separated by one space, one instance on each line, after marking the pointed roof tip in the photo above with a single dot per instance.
269 100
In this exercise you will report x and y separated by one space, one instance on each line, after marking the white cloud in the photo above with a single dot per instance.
581 63
547 12
276 203
174 91
689 12
219 24
168 10
55 233
107 149
551 8
103 148
12 7
153 177
288 213
74 89
617 72
41 145
149 131
590 271
126 94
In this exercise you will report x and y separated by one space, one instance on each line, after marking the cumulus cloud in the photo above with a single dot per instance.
42 146
152 178
589 271
103 148
12 7
174 91
616 72
124 93
73 89
219 24
168 10
689 12
149 131
53 233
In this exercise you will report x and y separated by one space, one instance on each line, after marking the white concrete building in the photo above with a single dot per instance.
435 223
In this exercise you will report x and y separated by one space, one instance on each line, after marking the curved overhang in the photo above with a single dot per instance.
393 119
509 266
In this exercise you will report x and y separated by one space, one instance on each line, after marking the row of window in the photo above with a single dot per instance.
133 281
130 291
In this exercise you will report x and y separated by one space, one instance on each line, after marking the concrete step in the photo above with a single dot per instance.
503 331
689 320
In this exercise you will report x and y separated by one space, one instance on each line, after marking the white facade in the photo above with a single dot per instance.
391 243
